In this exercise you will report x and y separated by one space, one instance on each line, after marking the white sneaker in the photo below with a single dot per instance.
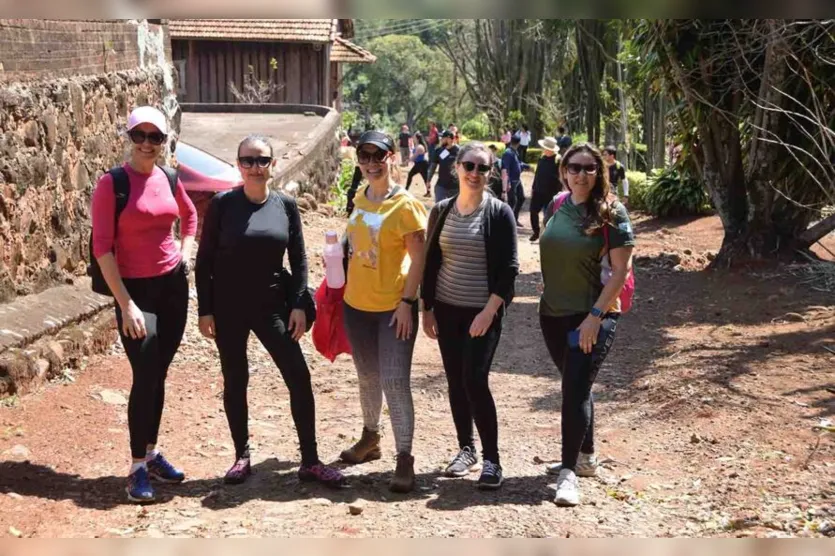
587 466
568 491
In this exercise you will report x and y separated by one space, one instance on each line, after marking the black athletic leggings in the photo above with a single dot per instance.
233 323
163 301
421 168
467 362
578 370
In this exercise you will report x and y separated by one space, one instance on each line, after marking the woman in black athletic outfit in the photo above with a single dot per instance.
242 286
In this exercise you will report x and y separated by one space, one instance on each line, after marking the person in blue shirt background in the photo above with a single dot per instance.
512 190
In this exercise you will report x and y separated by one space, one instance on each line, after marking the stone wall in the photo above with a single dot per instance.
58 135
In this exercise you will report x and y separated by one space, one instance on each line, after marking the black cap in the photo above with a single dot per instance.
516 138
376 138
448 133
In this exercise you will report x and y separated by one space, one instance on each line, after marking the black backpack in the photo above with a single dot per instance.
121 191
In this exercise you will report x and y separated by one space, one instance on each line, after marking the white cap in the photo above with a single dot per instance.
148 115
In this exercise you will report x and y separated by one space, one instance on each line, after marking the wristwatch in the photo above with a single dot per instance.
408 301
597 313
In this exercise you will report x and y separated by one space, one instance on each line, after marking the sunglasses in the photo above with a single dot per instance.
364 157
574 169
137 136
250 161
470 166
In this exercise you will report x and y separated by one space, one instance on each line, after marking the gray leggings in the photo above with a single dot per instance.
384 364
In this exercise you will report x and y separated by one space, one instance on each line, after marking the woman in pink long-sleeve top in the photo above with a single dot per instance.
147 271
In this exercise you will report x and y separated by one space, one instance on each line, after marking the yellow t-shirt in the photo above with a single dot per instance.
379 262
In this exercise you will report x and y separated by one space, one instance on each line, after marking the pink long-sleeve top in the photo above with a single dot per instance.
145 245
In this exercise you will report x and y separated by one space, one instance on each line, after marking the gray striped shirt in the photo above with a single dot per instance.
462 280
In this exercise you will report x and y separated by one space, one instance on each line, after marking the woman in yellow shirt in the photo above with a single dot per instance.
386 235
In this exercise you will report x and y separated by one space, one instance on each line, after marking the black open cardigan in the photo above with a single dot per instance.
499 227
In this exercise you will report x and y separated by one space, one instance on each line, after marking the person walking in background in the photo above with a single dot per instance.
455 137
447 184
563 140
546 182
386 237
514 194
578 313
617 174
147 272
421 167
405 142
468 281
505 138
494 181
433 138
243 287
524 142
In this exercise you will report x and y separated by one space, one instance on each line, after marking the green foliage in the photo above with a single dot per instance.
339 190
533 155
675 192
477 128
638 186
349 119
640 157
406 83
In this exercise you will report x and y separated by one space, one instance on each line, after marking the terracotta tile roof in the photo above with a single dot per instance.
283 30
344 50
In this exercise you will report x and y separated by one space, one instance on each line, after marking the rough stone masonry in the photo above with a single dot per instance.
59 134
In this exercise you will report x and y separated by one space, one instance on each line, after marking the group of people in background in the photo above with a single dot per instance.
453 270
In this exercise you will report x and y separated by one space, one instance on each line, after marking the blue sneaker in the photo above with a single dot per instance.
161 469
139 487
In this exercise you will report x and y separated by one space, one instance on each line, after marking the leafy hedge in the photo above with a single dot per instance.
638 186
675 192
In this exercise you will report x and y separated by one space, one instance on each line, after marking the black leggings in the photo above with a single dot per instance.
232 328
539 201
578 370
163 301
467 362
421 168
516 198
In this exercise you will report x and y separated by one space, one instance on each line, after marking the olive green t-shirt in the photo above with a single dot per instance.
571 260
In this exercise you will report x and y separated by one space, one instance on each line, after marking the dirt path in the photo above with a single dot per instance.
705 405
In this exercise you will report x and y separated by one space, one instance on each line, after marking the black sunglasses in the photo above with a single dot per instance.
470 166
138 137
250 161
364 157
574 169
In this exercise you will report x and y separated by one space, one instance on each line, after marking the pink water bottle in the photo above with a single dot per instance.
334 272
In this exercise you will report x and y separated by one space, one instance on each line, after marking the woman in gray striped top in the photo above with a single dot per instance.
471 268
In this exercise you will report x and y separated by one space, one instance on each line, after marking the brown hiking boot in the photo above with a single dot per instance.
404 474
367 448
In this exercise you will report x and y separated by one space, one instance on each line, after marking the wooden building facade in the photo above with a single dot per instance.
293 56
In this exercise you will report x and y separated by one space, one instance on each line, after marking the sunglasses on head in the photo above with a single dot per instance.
364 157
574 169
470 166
250 161
138 137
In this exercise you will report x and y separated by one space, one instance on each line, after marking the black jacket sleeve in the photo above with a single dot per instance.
505 242
296 253
204 267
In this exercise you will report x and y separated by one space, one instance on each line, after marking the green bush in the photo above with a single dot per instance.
477 128
339 191
533 155
638 186
673 192
640 157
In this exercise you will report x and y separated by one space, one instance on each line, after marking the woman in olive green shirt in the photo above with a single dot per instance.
577 312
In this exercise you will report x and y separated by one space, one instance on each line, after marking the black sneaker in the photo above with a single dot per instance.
491 476
534 236
462 463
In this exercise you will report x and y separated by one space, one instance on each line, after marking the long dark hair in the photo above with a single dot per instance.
599 202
